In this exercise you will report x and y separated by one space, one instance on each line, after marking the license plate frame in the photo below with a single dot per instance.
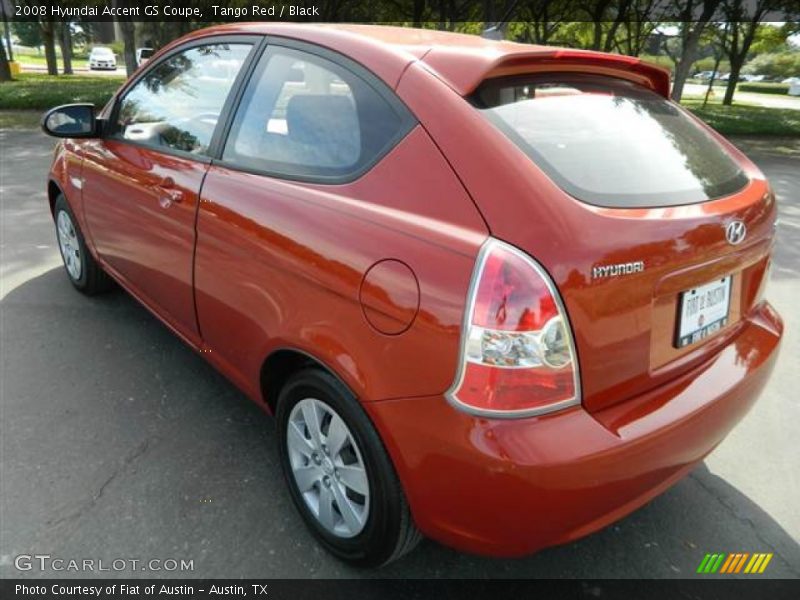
696 323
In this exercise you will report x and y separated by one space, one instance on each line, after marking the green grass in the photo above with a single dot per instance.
763 88
745 119
41 61
33 91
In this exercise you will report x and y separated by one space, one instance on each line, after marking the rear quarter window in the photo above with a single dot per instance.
610 142
308 118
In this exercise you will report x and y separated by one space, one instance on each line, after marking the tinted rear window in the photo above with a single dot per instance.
610 142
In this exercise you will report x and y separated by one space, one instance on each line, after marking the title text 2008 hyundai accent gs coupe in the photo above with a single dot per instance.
497 294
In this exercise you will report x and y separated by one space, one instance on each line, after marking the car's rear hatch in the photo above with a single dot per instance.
627 324
656 232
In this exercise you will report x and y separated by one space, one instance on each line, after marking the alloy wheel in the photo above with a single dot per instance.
328 468
69 245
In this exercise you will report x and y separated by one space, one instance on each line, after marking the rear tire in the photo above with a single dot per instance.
329 447
83 271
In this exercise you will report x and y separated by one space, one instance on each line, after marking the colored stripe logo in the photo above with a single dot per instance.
737 562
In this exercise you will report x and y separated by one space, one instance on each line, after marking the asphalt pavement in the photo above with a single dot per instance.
118 442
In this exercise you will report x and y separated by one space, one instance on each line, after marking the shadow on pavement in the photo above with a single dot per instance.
119 442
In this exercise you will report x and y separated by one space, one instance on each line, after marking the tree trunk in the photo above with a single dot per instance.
683 65
623 9
128 30
451 15
5 69
597 40
736 67
691 40
49 43
129 46
65 41
488 13
710 88
419 10
688 55
746 32
7 33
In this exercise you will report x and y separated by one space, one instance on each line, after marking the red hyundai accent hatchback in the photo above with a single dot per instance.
497 294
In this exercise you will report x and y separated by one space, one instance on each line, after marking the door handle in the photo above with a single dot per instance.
168 194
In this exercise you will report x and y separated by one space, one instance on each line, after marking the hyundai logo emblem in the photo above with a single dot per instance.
735 232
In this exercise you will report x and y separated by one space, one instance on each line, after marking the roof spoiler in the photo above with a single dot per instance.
519 59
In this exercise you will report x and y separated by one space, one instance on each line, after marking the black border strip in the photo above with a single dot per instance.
699 588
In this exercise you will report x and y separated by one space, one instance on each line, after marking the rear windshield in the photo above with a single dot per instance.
610 142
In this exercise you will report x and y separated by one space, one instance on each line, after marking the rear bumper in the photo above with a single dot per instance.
511 487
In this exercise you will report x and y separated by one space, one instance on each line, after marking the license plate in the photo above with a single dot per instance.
703 311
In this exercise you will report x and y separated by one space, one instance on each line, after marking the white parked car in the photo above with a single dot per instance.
143 55
102 58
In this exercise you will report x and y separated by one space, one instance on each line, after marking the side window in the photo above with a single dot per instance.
303 116
177 103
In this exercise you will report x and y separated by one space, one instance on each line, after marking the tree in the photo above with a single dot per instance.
65 42
642 21
774 65
744 17
539 20
605 17
770 38
127 28
5 69
49 41
47 31
28 33
695 16
715 71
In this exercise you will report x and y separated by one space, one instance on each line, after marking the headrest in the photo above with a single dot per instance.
323 118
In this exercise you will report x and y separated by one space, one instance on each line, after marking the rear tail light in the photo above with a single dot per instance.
517 355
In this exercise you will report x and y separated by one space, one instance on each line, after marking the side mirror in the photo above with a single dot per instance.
71 121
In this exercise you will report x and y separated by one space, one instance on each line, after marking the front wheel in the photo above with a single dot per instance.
339 474
83 271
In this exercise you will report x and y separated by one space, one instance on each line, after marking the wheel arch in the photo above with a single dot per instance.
53 191
281 364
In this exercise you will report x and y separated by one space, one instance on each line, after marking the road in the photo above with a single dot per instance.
120 442
767 100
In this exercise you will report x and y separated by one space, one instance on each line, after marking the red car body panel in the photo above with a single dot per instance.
612 319
140 206
263 243
510 487
370 279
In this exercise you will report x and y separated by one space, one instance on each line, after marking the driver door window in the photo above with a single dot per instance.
177 104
